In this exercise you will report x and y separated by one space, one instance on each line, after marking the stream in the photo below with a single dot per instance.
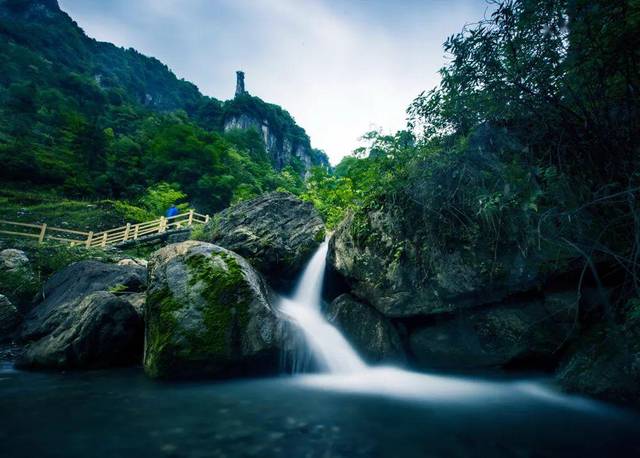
349 409
121 413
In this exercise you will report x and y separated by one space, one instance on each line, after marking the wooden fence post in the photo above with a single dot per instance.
190 217
126 232
89 239
43 229
104 240
206 219
161 227
135 231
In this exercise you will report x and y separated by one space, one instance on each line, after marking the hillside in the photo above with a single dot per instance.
93 120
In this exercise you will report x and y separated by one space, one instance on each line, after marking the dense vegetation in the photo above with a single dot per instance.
90 120
530 142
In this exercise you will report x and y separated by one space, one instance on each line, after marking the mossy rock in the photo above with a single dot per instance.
208 314
276 232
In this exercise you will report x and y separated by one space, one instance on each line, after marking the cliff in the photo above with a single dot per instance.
41 44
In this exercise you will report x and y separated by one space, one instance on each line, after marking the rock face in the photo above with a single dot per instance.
530 331
9 318
208 314
84 320
100 330
282 149
401 273
276 233
373 336
605 361
457 312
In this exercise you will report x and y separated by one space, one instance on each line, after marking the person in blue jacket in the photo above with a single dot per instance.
173 211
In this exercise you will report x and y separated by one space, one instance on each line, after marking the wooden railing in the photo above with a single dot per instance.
102 239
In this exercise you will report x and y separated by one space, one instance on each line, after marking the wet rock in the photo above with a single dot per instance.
83 321
527 331
68 287
137 301
209 314
9 318
100 330
403 272
276 233
604 362
371 334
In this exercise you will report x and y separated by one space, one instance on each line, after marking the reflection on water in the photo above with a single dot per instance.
121 413
418 387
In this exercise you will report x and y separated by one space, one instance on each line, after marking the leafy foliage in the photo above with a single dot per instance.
531 143
90 120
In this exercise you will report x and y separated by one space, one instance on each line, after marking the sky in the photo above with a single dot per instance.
341 68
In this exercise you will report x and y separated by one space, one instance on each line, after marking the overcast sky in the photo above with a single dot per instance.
340 67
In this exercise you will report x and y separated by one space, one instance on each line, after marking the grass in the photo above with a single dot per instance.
45 206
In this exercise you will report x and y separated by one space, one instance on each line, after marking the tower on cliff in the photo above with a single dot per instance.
240 83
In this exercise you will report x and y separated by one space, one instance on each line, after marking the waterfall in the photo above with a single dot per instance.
327 344
348 373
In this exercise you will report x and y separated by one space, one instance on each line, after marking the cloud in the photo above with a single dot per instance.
338 66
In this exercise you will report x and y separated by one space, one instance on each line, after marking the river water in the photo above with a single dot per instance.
349 410
121 413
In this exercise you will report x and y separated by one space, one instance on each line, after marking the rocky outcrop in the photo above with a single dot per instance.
276 233
402 272
100 330
66 289
282 149
9 318
526 332
84 319
371 334
461 306
605 361
208 314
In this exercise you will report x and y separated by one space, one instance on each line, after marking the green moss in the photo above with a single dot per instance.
119 288
227 296
175 347
320 235
20 286
198 233
161 327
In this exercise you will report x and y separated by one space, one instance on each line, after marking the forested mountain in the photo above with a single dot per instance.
94 120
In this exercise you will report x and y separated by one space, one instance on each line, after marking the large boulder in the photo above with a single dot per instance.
76 327
9 318
276 233
66 289
209 314
371 334
404 270
527 332
605 361
101 330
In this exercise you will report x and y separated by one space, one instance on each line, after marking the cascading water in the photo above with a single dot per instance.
329 347
348 372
